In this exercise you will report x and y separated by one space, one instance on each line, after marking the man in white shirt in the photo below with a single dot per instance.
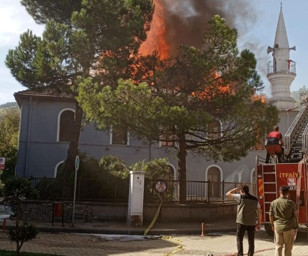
248 213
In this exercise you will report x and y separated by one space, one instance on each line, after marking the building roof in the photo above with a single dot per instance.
46 92
281 38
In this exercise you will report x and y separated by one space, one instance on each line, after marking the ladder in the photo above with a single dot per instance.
270 193
295 137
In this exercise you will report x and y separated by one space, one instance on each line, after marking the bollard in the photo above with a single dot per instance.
202 228
4 224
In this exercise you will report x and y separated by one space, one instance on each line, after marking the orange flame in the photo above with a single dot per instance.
261 98
216 88
156 37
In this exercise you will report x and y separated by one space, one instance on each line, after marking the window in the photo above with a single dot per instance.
167 139
59 169
65 125
214 178
254 180
214 130
119 135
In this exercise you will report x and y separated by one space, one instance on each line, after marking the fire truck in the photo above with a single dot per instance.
291 170
269 179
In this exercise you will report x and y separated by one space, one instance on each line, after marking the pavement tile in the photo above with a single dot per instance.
181 239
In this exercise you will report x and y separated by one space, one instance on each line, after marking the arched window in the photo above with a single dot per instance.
65 125
214 130
214 178
167 138
59 169
172 172
254 180
119 135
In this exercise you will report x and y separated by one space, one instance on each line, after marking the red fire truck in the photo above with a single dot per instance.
269 179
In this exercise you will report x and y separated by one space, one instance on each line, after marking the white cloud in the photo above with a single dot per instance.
15 20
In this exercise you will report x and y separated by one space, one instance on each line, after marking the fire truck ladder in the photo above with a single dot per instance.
270 187
296 138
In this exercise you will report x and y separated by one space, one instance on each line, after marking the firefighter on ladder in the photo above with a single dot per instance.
274 144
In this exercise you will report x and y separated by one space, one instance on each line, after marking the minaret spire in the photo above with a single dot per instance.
281 38
281 71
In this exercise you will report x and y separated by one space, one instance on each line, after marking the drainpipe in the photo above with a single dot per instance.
150 150
28 137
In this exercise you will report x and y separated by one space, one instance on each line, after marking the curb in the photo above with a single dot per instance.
140 231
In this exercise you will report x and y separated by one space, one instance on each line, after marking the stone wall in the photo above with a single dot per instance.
91 211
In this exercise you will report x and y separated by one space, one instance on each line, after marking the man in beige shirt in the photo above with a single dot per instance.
283 219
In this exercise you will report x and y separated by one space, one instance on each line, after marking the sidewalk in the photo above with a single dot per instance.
123 228
184 239
217 244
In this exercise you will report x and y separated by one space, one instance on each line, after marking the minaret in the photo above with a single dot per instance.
281 71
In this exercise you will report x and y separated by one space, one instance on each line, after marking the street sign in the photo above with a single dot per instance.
77 162
160 186
2 163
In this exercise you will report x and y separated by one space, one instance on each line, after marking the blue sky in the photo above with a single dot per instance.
256 36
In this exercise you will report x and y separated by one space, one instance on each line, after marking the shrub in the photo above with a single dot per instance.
15 190
114 166
19 187
22 234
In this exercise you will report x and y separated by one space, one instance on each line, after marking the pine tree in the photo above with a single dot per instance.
78 37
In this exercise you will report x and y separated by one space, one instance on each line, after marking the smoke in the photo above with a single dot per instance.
187 20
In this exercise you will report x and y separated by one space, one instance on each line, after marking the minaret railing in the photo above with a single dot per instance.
291 68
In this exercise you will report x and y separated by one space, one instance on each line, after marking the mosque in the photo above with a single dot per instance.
46 117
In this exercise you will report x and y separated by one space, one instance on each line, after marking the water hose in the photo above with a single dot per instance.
155 216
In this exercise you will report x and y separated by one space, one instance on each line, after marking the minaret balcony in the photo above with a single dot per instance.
289 68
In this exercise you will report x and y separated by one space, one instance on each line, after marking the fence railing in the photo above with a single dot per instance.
117 190
88 189
196 191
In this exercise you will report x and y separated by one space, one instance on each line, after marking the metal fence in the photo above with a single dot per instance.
196 191
87 189
117 190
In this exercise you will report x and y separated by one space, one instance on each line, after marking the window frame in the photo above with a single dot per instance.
59 120
111 137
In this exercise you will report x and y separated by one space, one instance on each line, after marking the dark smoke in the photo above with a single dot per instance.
187 20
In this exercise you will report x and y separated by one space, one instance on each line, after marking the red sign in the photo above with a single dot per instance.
2 163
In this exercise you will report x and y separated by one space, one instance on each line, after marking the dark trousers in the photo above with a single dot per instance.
240 231
278 156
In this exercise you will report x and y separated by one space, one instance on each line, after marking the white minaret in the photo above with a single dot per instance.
282 70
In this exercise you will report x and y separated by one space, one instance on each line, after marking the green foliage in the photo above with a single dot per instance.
114 166
155 169
188 93
15 190
86 38
96 180
8 105
9 128
301 95
20 188
9 132
104 180
59 10
184 95
21 61
24 233
51 189
97 27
